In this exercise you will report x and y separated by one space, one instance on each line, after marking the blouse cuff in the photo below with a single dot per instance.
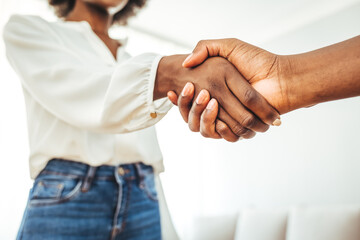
160 107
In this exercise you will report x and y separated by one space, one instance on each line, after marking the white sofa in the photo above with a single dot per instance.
297 223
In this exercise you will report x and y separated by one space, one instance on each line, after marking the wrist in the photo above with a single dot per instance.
295 93
168 76
325 74
297 90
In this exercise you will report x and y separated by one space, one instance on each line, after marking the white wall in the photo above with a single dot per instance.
313 158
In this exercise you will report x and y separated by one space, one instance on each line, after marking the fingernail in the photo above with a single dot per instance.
201 98
187 59
277 122
211 104
186 91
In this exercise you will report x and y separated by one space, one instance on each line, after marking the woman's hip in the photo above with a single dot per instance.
71 200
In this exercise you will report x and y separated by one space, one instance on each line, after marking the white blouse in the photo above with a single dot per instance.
82 104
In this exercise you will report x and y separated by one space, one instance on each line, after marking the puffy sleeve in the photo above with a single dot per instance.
101 98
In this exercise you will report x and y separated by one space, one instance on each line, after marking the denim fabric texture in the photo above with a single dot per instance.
71 200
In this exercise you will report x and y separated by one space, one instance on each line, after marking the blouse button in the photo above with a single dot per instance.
153 115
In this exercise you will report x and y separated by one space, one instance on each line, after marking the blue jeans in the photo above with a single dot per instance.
71 200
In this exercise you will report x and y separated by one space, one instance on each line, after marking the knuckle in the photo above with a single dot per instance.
182 104
271 116
206 120
183 111
204 132
222 129
239 130
266 127
192 112
193 127
249 135
201 43
235 139
195 114
186 102
250 97
249 121
197 110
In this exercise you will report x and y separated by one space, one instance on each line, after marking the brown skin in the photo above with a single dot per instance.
214 75
291 82
95 13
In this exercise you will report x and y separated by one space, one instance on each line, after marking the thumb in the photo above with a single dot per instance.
210 48
198 56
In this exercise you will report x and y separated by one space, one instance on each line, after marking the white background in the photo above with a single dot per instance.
312 159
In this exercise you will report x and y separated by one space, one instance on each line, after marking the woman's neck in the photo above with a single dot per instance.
98 18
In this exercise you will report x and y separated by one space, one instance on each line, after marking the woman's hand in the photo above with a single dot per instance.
202 115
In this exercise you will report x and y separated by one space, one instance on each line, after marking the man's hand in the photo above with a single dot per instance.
289 82
265 71
259 67
215 75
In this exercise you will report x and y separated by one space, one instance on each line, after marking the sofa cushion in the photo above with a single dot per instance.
324 223
261 224
214 227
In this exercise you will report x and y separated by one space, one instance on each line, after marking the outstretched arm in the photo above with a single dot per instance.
287 82
305 79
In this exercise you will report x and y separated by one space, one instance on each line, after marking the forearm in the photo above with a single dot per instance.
325 74
167 76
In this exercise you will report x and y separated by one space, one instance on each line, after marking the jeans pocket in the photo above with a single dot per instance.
148 184
50 190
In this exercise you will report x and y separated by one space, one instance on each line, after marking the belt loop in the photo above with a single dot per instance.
139 174
88 179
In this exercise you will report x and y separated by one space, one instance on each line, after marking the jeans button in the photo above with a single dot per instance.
121 171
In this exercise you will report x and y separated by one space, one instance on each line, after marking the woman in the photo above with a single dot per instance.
91 110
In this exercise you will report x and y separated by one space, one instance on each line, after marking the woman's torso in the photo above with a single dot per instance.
50 137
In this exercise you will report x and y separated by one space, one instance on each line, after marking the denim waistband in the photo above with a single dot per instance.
76 169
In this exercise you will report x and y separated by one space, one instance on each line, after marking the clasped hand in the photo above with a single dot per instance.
241 95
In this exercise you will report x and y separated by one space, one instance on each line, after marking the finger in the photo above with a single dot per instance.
242 115
210 48
213 128
208 118
185 100
251 99
198 56
235 127
196 110
225 132
172 97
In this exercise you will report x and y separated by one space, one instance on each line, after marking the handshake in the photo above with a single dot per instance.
234 89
